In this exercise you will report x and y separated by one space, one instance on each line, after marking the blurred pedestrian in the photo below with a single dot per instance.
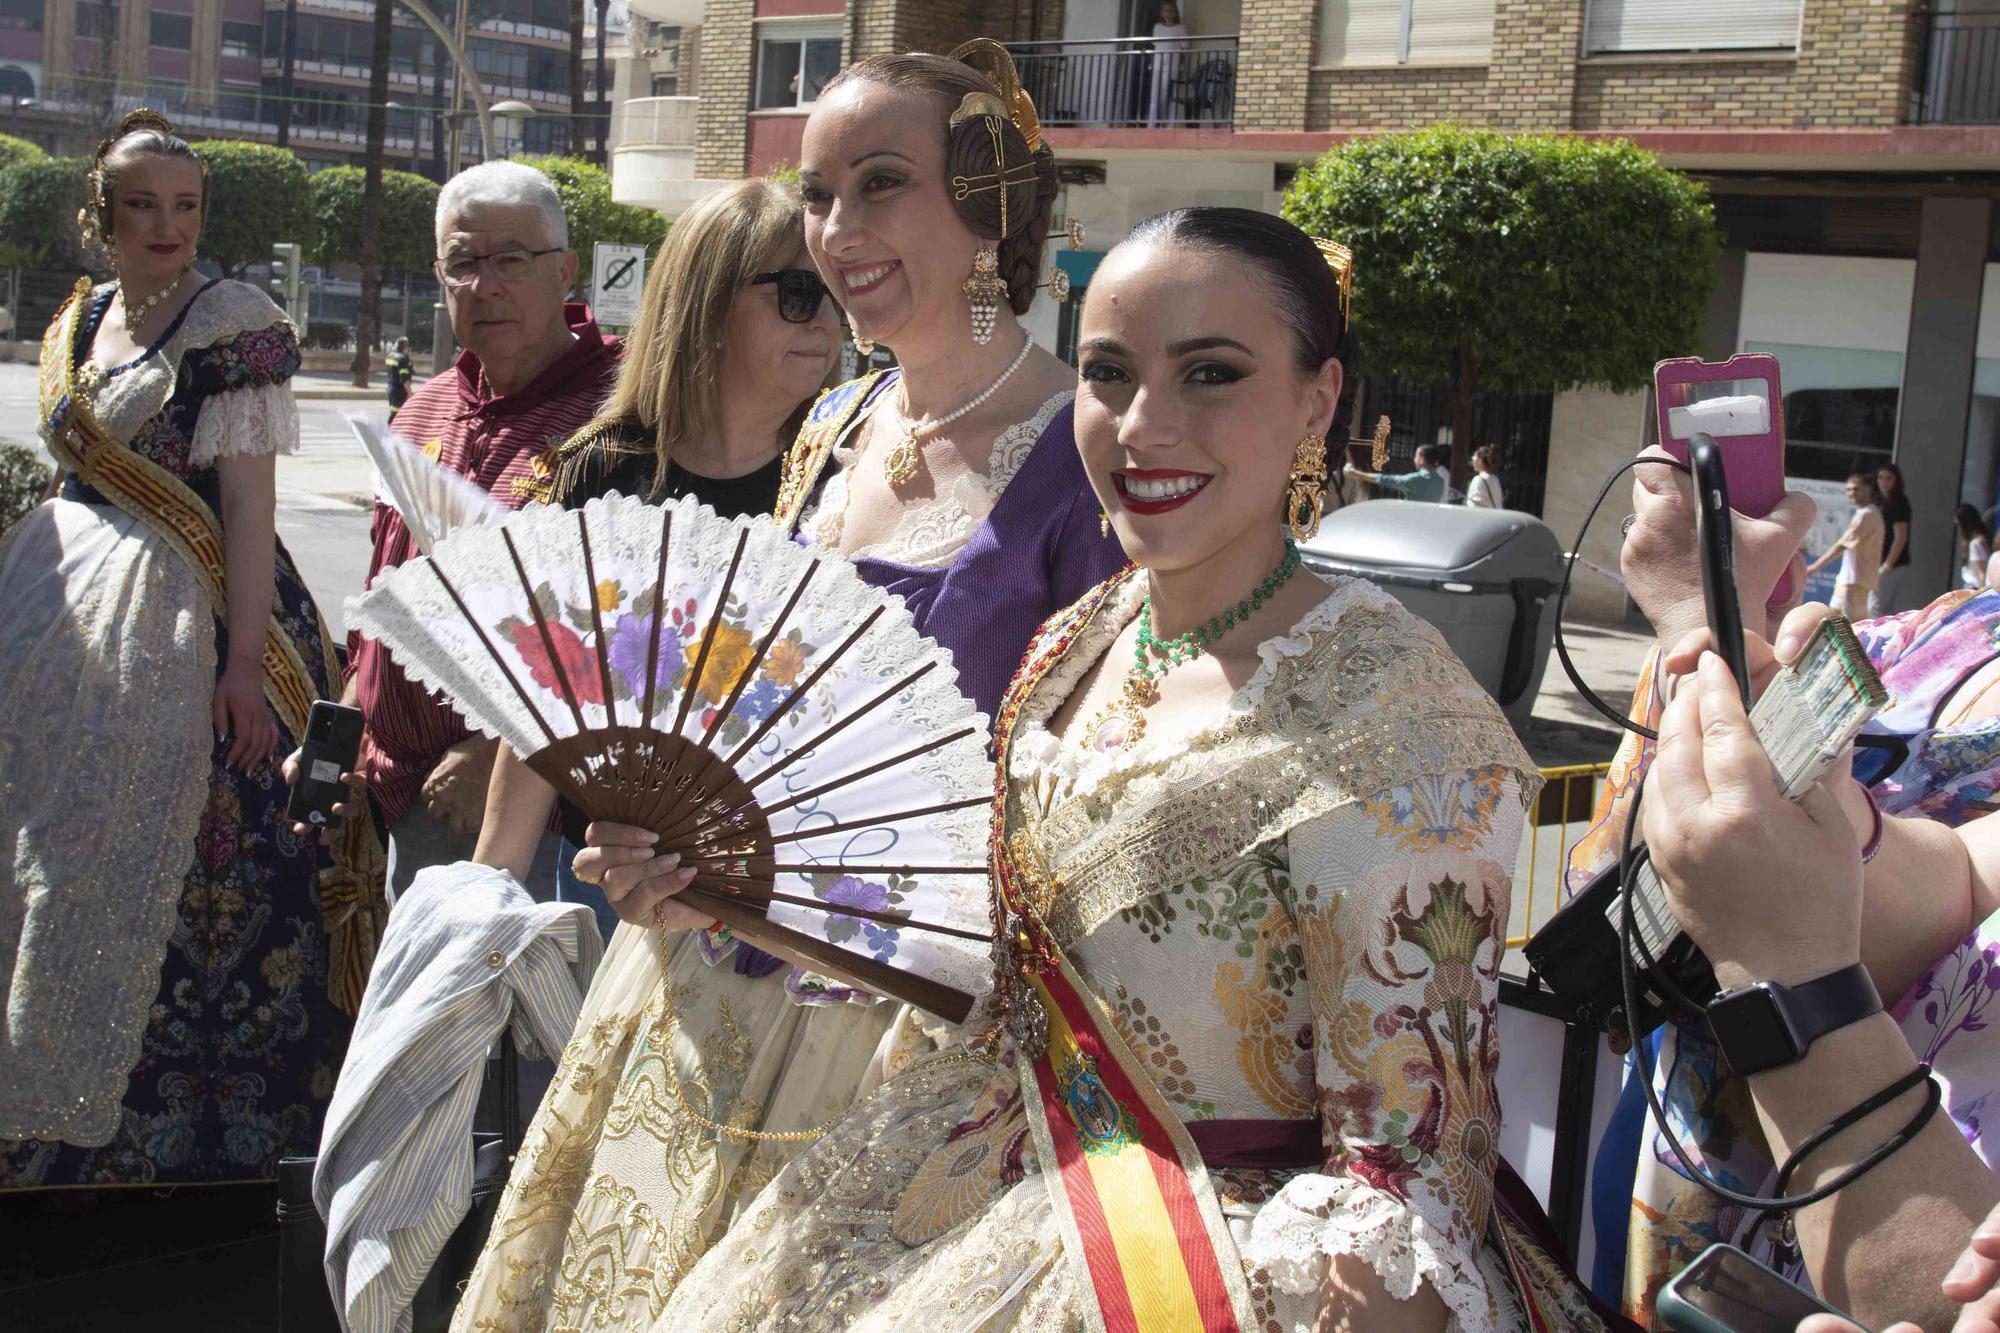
1486 492
1431 481
1859 549
402 368
170 1015
1894 503
1978 546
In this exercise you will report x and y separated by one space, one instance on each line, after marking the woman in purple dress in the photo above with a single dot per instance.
952 481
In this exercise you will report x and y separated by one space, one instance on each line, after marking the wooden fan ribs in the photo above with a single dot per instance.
657 777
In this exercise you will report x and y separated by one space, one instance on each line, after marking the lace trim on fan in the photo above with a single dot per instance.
931 536
1316 1217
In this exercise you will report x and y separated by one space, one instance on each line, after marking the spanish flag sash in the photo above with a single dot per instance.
824 425
1130 1190
148 492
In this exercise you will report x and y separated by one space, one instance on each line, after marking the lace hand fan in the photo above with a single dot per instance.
776 720
432 499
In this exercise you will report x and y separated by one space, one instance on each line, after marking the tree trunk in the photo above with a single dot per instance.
576 114
368 329
1461 418
600 107
287 57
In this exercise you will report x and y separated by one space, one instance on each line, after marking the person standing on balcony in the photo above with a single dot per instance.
1170 40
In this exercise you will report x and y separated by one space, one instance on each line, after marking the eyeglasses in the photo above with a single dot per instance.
508 266
800 292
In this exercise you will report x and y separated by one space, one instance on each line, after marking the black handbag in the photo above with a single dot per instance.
305 1305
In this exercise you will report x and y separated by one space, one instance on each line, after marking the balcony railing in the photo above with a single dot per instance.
658 122
1126 82
1959 80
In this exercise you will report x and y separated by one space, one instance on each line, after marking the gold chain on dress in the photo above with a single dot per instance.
673 1075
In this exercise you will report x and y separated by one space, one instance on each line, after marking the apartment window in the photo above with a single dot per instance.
1365 33
21 14
666 85
91 19
794 62
1691 25
174 32
242 40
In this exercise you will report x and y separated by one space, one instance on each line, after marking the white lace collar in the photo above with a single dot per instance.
930 536
1066 766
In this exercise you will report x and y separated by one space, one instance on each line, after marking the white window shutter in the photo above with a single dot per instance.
1691 25
1451 31
1359 32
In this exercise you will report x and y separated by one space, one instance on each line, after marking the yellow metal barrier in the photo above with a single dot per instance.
1569 794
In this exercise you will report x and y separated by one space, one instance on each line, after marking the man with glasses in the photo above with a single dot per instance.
532 372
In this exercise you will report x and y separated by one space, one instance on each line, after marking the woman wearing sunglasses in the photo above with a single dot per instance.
735 338
953 481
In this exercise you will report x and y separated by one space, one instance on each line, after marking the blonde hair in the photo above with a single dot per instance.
668 377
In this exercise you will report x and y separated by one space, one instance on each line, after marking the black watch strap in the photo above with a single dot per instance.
1765 1025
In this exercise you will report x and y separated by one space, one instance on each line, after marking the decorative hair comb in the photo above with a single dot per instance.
1341 260
1058 283
997 65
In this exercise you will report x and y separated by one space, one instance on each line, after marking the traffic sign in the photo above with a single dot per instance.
617 277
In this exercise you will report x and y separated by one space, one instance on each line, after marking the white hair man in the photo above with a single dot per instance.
533 371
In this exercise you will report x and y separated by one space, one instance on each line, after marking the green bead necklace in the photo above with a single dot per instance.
1124 722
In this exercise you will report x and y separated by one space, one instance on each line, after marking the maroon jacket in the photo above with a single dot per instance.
507 445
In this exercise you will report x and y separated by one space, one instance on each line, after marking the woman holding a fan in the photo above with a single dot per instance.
735 338
953 482
1252 857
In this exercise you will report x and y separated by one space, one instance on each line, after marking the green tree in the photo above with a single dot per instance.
409 213
258 195
39 201
13 151
585 189
1520 262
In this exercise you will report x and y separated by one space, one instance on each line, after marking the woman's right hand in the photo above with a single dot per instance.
639 883
1662 564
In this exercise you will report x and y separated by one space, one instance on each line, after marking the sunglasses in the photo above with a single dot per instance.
800 292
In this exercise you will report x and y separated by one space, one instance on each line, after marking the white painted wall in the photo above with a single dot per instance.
1827 301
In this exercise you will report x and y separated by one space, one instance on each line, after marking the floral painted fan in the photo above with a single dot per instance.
778 721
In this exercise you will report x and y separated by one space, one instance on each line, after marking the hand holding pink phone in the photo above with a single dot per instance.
1740 403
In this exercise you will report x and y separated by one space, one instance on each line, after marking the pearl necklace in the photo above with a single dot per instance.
902 462
146 306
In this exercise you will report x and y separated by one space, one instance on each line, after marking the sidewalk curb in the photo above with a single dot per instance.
336 393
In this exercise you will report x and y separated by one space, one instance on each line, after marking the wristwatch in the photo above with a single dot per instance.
1764 1025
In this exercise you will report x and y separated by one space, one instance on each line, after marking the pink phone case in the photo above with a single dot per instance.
1753 463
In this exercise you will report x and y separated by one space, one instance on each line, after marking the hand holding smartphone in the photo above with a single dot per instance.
1726 1291
332 746
1739 405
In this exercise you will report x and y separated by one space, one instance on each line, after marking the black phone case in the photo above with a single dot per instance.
332 746
1718 559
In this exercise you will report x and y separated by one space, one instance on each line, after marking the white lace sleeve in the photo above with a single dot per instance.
259 419
1401 901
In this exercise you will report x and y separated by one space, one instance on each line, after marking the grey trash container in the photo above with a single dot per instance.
1486 578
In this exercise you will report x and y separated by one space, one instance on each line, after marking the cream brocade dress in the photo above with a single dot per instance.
1296 914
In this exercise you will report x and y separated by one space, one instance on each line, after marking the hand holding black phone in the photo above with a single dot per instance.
1718 558
332 746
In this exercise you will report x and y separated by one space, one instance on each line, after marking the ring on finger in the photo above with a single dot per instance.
582 878
1625 528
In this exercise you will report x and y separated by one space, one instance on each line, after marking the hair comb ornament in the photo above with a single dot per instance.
996 64
1341 260
1058 283
1378 457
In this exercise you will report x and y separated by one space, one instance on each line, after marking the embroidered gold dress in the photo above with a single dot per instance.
1294 916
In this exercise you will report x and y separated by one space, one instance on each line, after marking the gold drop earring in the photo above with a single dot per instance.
985 289
1103 525
1305 496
